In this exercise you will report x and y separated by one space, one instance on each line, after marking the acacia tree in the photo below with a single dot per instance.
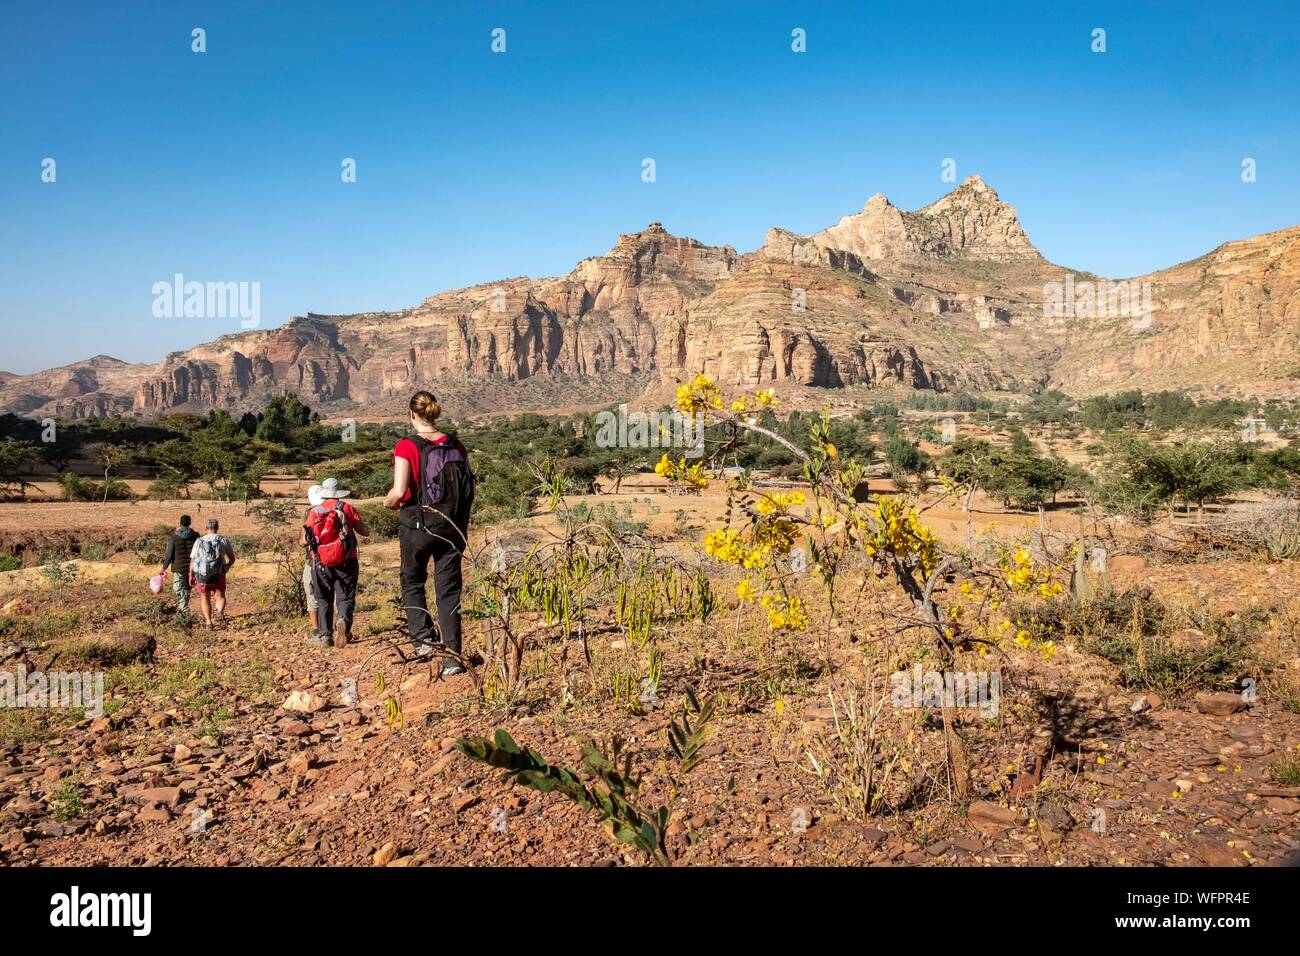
1144 476
112 458
16 460
906 460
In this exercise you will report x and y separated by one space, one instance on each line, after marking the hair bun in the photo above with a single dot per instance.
425 405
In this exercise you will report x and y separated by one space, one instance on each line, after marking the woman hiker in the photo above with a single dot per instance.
433 491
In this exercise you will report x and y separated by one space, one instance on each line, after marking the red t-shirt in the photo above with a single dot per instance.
407 451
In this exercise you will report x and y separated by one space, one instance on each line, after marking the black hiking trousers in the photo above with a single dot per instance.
336 594
441 543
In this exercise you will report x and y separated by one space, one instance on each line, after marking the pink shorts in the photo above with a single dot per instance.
212 586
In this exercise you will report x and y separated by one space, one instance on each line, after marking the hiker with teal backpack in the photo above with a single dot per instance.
330 534
210 559
433 493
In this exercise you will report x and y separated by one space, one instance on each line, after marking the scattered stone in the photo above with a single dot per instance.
300 763
127 643
986 816
442 763
160 720
1220 704
52 828
152 796
386 854
304 702
154 814
464 803
968 843
871 836
1145 703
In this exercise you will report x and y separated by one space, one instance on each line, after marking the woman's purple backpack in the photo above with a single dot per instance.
446 481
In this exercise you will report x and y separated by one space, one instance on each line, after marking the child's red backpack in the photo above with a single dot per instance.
332 540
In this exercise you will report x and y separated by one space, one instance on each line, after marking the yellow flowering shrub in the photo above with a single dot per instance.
896 529
784 614
1019 576
698 395
889 530
693 474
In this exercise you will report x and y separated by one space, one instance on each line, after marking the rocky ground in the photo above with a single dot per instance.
239 747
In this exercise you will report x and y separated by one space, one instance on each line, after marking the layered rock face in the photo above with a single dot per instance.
950 296
303 356
1229 321
971 222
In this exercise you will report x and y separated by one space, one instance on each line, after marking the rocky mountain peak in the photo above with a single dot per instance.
970 222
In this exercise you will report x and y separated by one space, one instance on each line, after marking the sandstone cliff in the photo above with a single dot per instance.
950 296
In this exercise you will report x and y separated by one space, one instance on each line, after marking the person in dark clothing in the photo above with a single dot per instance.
432 491
179 546
330 532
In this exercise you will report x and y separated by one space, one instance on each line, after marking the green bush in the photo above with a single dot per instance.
166 486
243 544
369 475
381 521
76 488
1137 633
1286 772
95 550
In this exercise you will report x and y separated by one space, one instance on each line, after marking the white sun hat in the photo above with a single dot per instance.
330 488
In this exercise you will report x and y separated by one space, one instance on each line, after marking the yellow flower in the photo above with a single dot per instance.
698 394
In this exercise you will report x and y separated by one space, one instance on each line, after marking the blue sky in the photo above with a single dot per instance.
473 166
